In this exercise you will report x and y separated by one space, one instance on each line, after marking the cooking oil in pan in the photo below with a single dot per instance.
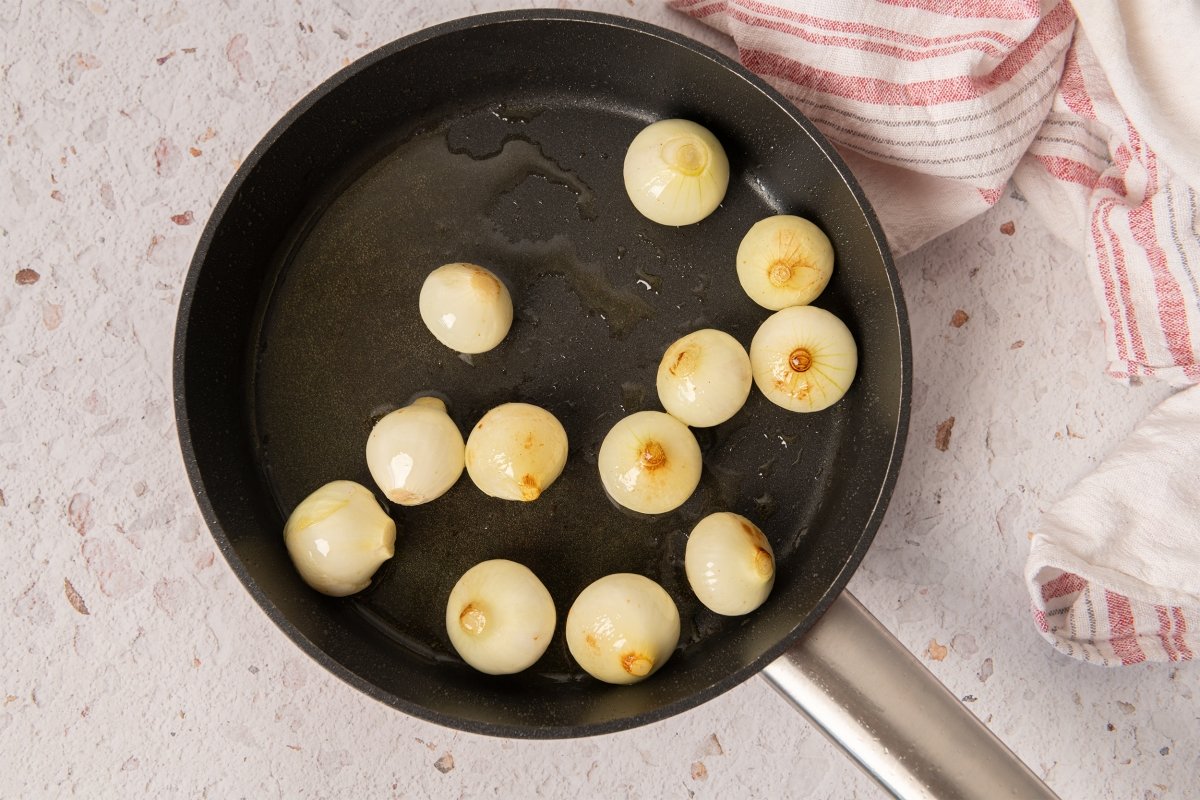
600 293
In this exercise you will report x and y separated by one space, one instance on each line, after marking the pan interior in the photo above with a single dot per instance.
520 171
599 295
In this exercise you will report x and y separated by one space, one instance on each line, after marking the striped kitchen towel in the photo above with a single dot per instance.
937 105
1089 110
1114 568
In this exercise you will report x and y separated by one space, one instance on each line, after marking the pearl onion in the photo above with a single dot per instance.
729 564
704 378
622 628
803 358
516 451
676 172
466 307
338 536
649 462
499 617
784 261
415 453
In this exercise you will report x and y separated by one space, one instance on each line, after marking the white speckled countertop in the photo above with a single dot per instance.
135 664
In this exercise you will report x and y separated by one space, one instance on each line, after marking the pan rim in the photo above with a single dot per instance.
549 730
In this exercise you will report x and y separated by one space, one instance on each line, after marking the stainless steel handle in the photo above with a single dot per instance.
852 679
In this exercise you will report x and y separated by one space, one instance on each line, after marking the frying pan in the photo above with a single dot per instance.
499 140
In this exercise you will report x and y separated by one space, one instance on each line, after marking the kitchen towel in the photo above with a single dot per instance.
1114 569
936 106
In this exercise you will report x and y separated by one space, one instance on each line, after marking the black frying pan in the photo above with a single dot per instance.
499 140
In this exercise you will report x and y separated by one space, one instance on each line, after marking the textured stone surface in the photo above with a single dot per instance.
134 663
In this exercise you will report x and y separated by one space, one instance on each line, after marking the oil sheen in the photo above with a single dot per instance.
534 193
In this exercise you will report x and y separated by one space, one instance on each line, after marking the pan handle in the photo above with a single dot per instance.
853 680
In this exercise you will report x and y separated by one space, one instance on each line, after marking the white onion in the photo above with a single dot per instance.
649 462
338 536
704 378
466 307
804 358
622 628
516 451
729 564
499 617
676 172
415 453
784 261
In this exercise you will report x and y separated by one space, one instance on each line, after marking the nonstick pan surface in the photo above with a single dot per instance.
499 140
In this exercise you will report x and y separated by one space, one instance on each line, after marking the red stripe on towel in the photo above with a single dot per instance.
990 38
1120 621
1172 309
1181 628
982 9
1108 280
1124 288
857 28
1073 89
863 45
1063 585
1039 618
1164 631
935 91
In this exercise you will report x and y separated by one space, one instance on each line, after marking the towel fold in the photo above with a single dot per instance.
1114 569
